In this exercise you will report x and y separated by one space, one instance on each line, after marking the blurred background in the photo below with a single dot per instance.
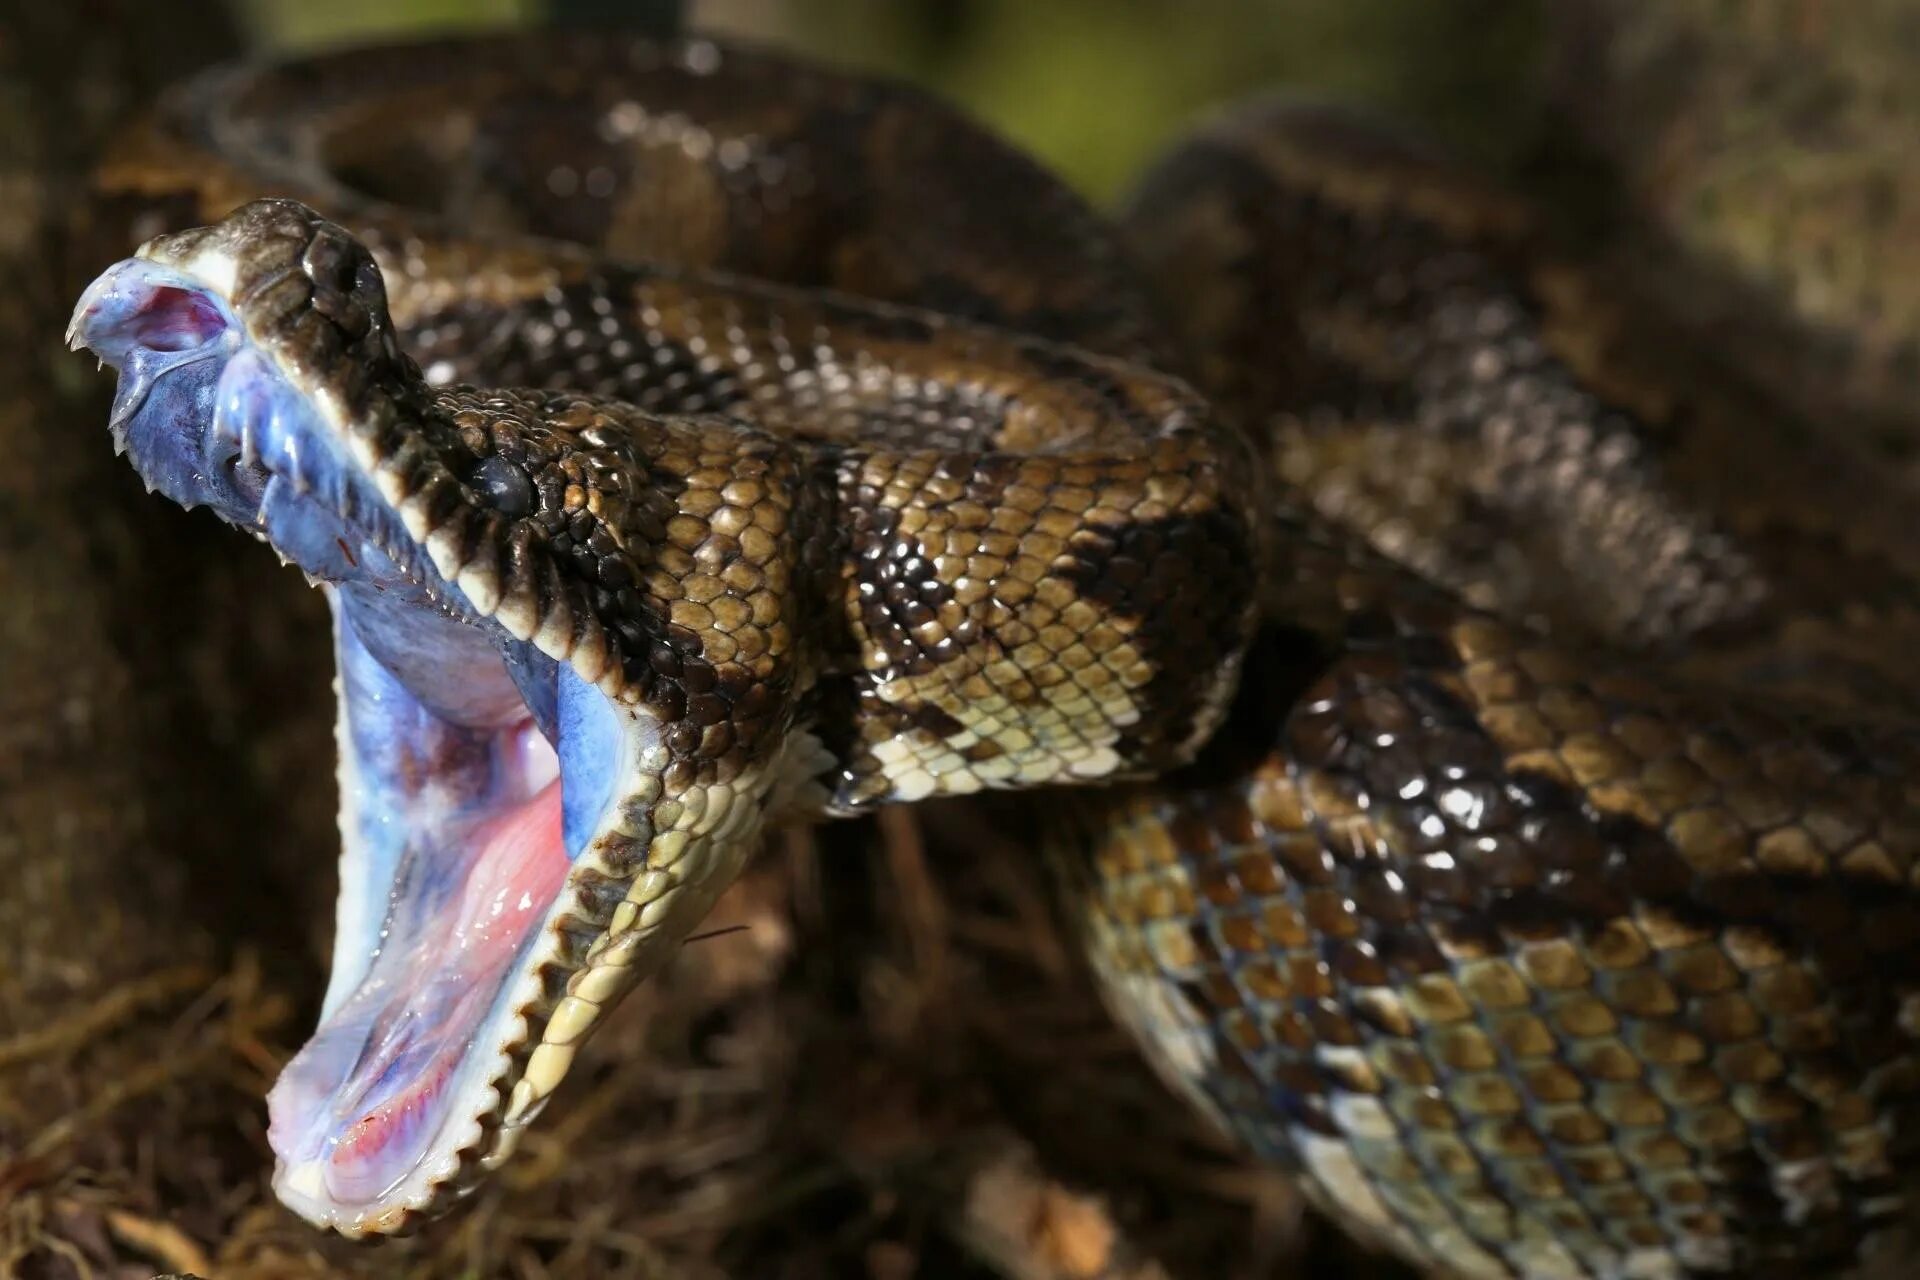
1764 141
894 1067
1091 87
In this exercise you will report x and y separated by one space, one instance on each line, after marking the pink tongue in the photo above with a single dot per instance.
515 876
424 1001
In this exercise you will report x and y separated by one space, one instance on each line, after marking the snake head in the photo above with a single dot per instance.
250 355
553 756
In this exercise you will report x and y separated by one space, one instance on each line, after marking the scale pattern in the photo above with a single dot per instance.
1530 964
1544 894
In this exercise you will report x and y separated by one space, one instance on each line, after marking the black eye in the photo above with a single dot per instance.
503 486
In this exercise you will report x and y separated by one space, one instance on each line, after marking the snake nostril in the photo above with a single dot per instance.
503 486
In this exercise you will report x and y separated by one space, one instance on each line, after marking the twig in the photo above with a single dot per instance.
161 1241
86 1025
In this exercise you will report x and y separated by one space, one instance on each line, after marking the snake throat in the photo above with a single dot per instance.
480 778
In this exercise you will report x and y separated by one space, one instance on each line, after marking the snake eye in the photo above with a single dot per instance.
503 486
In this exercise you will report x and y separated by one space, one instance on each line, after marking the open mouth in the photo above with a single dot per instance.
477 774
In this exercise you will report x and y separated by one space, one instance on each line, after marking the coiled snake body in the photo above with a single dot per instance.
1499 718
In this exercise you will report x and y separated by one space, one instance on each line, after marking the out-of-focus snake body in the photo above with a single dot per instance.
1504 720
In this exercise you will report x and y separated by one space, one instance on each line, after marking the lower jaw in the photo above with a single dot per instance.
370 1098
438 962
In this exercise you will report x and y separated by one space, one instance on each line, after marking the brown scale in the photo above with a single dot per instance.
1528 962
1425 369
1533 959
694 153
897 391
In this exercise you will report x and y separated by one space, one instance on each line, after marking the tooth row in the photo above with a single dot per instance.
711 831
602 979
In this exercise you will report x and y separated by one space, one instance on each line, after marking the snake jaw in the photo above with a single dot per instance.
503 881
452 942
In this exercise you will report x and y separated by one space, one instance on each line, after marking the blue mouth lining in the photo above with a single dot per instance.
452 731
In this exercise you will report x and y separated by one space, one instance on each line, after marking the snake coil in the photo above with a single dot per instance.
1500 716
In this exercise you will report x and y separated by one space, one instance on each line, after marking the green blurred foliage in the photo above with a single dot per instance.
1096 86
297 24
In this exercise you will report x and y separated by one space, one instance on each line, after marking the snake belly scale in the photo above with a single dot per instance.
1484 729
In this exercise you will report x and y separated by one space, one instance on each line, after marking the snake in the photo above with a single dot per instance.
1473 727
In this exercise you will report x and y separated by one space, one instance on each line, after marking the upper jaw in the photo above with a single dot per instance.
159 327
208 418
